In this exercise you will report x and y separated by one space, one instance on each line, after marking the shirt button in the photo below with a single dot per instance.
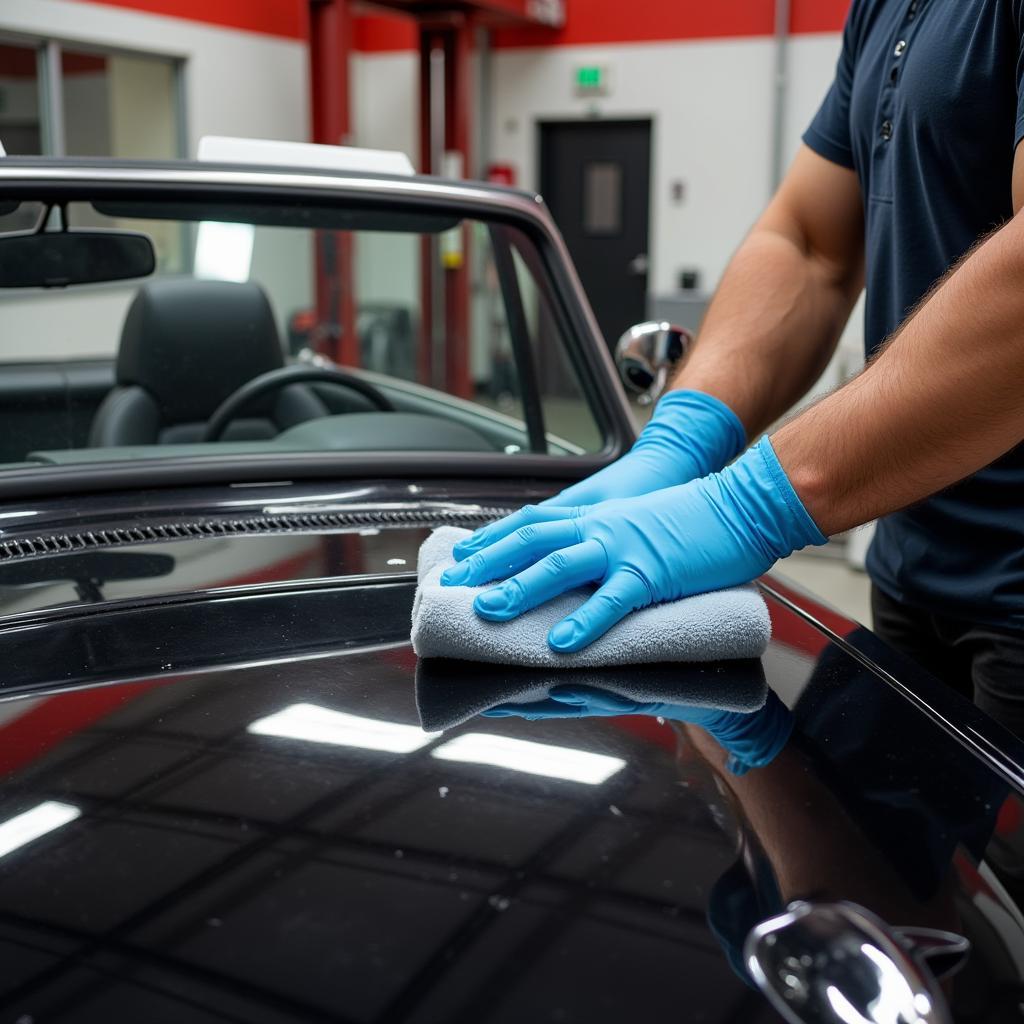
912 10
900 47
886 130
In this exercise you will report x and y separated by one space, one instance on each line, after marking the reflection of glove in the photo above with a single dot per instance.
705 535
690 435
753 739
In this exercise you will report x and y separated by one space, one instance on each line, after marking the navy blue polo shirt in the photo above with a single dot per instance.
927 108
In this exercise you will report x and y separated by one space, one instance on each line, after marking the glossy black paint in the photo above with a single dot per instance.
220 874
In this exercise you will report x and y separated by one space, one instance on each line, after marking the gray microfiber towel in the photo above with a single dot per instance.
450 692
707 627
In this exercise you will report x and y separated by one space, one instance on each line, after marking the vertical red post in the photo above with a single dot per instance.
453 38
425 356
458 120
330 44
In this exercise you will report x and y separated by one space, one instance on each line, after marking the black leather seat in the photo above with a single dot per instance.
185 346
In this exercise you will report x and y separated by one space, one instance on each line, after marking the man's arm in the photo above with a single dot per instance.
943 399
770 330
785 297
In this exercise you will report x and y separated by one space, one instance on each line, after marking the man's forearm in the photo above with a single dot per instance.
770 330
942 400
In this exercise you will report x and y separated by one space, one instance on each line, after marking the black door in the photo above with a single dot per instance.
595 177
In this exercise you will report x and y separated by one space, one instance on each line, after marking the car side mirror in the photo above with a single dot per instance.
647 353
832 963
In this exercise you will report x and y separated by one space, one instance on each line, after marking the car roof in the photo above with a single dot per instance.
426 183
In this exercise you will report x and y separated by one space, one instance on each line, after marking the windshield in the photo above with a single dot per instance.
281 327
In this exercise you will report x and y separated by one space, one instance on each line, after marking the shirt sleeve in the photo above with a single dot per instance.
829 132
1018 10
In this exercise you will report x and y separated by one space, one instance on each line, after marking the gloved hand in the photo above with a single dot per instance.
708 534
690 435
752 739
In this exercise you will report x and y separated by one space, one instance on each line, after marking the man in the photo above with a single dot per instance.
911 160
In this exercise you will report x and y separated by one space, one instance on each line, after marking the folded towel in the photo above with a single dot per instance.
450 692
721 625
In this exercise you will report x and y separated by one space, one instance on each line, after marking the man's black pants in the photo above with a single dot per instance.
983 663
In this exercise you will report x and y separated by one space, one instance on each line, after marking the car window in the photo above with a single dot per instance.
429 332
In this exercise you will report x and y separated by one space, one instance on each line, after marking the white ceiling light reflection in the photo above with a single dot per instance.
224 251
322 725
526 756
33 823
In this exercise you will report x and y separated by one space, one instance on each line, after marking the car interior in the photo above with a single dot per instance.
187 355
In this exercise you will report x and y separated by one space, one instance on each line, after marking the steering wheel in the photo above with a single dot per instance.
282 377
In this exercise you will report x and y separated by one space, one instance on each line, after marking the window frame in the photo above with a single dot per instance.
80 178
49 52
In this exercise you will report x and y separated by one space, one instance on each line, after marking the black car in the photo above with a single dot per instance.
225 793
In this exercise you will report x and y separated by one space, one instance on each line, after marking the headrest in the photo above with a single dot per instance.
192 343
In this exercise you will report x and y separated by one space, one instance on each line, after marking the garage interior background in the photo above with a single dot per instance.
723 90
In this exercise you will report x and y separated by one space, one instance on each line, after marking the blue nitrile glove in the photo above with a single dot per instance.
753 739
690 435
716 532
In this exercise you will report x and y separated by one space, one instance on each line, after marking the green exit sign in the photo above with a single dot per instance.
591 80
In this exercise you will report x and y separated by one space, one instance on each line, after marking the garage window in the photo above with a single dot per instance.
58 100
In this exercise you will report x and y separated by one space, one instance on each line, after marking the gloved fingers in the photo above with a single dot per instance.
528 515
536 710
560 571
597 700
509 555
623 593
587 492
706 718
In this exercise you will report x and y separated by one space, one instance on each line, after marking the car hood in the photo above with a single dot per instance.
220 804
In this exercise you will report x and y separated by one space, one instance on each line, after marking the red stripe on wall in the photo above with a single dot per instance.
818 16
381 34
286 18
610 21
587 21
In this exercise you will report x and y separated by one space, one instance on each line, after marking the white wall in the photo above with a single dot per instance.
385 102
711 103
710 107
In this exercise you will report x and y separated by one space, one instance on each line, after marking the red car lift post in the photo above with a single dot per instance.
330 43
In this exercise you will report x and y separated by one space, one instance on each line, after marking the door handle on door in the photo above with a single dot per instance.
639 264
